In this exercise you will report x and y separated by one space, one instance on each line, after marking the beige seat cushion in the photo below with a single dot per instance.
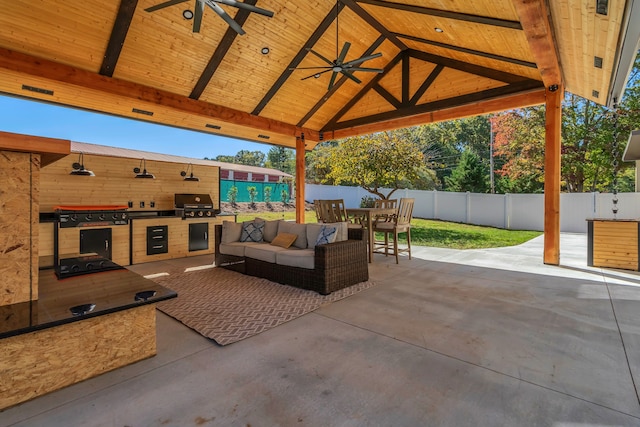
302 258
264 252
235 248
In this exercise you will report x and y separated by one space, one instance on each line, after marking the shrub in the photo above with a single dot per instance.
367 202
232 195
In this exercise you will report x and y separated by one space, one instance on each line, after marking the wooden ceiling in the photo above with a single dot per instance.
117 58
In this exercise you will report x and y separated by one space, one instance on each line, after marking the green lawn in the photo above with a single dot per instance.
440 234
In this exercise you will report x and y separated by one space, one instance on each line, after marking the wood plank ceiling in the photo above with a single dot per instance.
441 59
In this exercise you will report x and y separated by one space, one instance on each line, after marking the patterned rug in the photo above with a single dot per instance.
228 307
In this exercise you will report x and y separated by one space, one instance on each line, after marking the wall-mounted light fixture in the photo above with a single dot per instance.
144 173
78 167
190 177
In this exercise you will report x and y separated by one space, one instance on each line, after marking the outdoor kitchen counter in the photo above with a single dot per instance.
44 346
613 243
108 292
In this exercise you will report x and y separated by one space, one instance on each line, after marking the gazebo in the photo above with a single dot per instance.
296 73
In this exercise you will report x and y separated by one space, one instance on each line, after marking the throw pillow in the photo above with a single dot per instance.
299 229
252 231
270 229
284 239
327 235
231 232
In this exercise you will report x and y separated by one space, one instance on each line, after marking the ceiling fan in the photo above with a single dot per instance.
339 65
215 6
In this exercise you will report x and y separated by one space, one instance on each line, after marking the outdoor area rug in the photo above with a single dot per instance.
227 306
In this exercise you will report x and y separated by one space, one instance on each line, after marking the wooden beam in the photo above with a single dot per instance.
50 149
365 16
469 51
221 50
534 17
86 80
518 100
553 145
445 14
300 172
118 35
337 85
319 32
461 100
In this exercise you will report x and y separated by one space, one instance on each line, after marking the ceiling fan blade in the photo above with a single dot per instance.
362 59
320 56
315 74
163 5
351 76
371 70
224 15
197 16
249 7
343 53
333 80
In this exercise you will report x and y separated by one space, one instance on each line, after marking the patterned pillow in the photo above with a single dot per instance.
252 231
327 235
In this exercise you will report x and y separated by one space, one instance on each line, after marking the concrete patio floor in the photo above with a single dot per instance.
450 338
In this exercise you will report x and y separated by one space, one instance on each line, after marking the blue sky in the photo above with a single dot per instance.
41 119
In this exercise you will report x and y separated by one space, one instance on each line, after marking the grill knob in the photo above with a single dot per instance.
191 214
88 217
200 213
73 217
101 217
208 213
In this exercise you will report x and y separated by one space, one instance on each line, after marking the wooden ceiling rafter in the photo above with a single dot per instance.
467 68
457 101
504 23
426 84
486 106
469 51
68 75
297 59
353 101
537 27
337 85
220 52
406 108
365 16
118 36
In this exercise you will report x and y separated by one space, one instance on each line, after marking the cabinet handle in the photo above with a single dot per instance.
158 247
158 237
158 230
205 235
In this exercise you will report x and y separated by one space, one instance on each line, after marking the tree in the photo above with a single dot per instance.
381 160
469 175
519 142
250 158
281 158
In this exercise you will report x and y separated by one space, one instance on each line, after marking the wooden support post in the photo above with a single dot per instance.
553 144
300 172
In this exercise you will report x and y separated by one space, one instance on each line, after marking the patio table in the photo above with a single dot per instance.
367 215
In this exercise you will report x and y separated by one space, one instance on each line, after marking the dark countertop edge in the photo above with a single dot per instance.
46 217
60 322
614 220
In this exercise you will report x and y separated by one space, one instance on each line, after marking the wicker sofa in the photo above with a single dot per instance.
323 268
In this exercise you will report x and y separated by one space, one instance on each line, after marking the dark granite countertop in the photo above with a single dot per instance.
89 295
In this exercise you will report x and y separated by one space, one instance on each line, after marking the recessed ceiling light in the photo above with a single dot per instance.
264 50
187 14
438 30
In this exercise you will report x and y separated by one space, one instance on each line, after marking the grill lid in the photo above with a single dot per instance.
193 201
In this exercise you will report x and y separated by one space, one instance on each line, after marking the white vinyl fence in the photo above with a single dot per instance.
510 211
